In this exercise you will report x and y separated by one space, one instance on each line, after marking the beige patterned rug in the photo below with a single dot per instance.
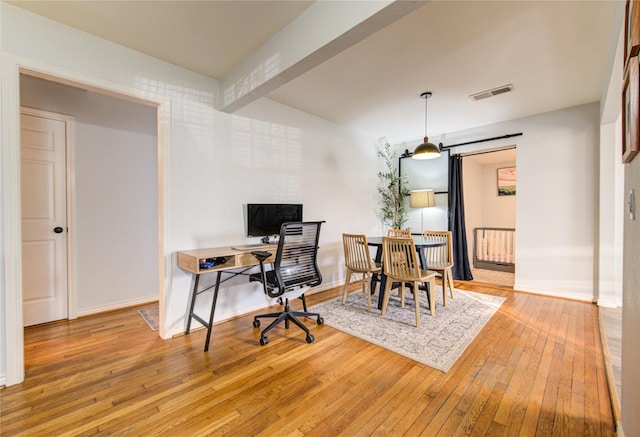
150 315
439 341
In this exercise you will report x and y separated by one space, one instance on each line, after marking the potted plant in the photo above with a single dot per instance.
393 189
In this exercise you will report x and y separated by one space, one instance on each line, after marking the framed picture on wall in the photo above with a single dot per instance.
631 30
507 181
630 105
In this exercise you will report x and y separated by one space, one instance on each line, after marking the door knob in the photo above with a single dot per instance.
58 230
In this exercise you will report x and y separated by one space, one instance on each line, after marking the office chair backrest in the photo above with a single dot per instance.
296 262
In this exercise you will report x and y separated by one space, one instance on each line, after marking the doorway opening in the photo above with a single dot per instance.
14 68
486 206
113 196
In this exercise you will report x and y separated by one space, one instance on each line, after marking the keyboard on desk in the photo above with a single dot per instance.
250 246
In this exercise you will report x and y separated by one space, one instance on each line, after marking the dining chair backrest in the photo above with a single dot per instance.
399 233
400 258
440 255
401 265
356 253
357 259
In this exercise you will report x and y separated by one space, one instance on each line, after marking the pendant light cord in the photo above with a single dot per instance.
425 95
426 101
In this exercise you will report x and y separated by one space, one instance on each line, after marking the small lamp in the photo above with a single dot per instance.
422 199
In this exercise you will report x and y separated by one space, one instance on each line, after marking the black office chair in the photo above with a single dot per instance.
295 266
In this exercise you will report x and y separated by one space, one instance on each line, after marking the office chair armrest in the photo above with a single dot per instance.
261 255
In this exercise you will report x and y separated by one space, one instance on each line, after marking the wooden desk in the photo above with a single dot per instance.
189 260
237 262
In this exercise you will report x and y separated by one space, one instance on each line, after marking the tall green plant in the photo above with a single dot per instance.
393 189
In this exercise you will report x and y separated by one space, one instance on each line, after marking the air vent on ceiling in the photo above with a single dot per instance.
490 93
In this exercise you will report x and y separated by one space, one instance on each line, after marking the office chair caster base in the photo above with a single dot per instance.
310 338
320 321
264 341
256 323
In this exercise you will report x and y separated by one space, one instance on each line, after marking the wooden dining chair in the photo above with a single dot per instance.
399 233
401 264
405 233
440 260
357 259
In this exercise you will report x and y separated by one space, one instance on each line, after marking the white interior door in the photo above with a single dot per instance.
44 219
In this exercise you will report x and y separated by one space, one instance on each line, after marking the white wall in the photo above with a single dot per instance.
214 162
497 211
556 200
116 192
268 153
630 396
611 216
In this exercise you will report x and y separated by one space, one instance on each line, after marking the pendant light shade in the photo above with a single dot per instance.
426 150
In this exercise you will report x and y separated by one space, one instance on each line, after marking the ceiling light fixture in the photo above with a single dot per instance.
426 150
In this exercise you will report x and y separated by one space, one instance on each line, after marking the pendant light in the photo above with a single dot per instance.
426 150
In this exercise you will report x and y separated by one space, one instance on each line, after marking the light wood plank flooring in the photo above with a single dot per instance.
611 337
536 369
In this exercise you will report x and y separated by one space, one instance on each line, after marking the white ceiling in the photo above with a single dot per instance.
209 37
555 53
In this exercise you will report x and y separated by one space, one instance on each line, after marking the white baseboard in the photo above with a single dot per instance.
556 293
117 305
3 379
608 303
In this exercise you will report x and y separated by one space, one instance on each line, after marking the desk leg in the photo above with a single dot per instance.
213 310
193 301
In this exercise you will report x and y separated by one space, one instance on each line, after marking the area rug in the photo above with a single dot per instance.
150 315
439 341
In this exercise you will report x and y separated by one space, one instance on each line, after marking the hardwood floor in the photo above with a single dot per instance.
536 369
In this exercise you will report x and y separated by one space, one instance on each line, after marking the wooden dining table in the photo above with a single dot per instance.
419 241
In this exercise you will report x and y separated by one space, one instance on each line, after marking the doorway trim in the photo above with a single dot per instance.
69 126
11 67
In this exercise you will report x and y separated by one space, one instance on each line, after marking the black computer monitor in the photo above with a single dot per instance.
264 219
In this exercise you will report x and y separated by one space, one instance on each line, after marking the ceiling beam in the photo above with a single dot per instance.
321 32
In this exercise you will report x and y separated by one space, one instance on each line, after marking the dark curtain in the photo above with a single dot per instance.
461 268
